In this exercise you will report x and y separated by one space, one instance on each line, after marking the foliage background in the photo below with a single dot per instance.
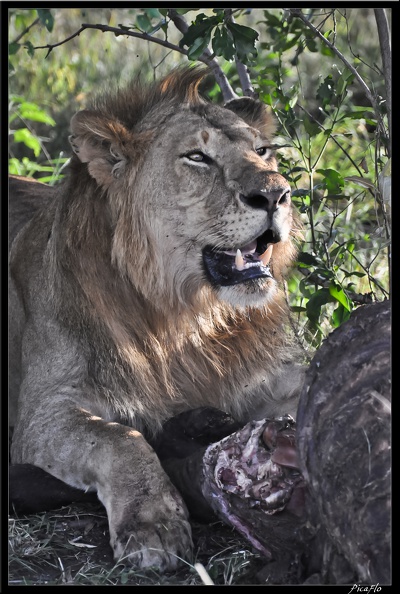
332 150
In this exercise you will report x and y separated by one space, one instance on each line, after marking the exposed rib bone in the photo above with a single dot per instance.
266 256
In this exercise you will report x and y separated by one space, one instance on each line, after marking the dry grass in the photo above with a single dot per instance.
70 546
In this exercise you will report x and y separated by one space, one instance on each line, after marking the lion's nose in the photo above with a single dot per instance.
268 200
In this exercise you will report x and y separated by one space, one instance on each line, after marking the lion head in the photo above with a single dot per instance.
196 204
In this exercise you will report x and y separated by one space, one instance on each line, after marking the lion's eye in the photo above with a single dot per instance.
196 156
262 151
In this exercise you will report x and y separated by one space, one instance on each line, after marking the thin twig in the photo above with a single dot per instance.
117 31
293 325
297 13
25 31
310 115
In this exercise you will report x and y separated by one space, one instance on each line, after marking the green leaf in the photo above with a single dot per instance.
323 273
144 23
268 82
30 48
267 99
356 113
333 180
312 128
308 259
222 44
244 39
202 28
304 288
350 245
299 168
14 167
340 315
293 100
46 18
29 140
347 274
326 51
198 46
343 81
311 45
272 20
24 104
300 191
326 90
337 293
152 13
285 44
51 179
37 116
13 48
314 304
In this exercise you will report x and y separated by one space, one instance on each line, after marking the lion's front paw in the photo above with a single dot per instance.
153 533
162 545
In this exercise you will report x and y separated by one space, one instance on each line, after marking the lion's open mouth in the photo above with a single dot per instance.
231 267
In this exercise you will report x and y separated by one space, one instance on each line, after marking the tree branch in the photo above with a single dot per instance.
178 20
220 77
297 13
206 57
244 77
25 31
117 31
384 41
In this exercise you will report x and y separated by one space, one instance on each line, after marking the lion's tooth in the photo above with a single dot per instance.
239 262
266 256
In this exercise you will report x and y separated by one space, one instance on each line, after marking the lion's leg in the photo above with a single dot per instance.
147 517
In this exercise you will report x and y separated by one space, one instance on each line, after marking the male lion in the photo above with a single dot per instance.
146 285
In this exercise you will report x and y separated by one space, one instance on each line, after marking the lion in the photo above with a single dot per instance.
147 283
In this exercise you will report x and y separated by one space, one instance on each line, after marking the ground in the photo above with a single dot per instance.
71 546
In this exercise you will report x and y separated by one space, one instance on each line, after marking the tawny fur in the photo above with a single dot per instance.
115 317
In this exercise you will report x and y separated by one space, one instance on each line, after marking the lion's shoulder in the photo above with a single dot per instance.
27 197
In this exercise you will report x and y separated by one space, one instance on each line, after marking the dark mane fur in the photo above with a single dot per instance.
180 86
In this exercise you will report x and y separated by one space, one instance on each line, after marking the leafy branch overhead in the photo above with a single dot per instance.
229 40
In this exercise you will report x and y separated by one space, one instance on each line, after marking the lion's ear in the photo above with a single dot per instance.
254 113
101 143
